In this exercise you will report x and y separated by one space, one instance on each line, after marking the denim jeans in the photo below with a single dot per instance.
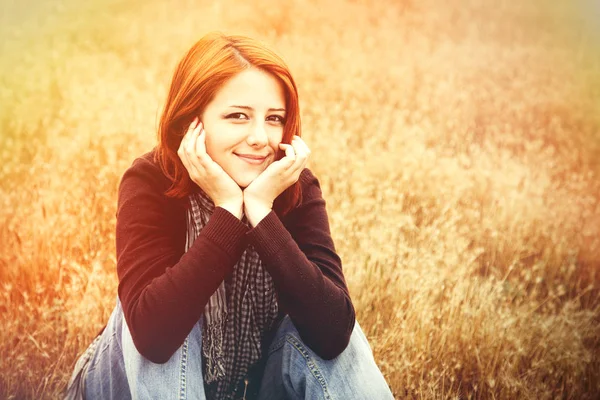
292 370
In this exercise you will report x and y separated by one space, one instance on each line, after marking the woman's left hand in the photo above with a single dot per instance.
262 192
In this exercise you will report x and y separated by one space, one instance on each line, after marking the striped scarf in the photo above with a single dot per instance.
237 315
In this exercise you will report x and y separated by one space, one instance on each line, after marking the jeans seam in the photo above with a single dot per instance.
182 372
276 345
312 366
95 359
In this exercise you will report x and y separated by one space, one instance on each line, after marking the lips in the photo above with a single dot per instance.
252 158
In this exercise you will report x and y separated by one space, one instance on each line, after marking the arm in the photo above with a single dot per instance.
307 272
163 291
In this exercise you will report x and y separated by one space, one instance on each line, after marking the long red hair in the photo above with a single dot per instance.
210 62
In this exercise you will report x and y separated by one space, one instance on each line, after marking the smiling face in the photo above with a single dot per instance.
244 124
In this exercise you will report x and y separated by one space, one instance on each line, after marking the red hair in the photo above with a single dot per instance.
200 74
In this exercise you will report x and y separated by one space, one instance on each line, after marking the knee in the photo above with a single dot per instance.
353 374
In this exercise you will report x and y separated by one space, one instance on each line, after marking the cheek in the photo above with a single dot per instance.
274 141
217 136
274 144
276 137
212 145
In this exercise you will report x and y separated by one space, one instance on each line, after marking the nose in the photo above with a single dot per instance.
257 136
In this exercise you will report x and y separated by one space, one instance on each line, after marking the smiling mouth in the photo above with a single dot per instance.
251 159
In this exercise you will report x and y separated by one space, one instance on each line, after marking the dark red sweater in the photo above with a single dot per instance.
163 290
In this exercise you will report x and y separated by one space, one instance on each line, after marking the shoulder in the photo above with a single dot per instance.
307 177
311 204
146 166
310 187
145 179
308 222
145 172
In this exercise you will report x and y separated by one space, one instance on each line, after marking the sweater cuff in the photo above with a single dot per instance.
225 230
269 236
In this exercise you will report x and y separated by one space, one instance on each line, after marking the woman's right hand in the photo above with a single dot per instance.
206 173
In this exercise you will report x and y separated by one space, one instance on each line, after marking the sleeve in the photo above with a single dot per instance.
163 290
307 272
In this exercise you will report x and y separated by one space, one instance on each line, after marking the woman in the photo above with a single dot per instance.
229 283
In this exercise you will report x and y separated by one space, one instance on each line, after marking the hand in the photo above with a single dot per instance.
262 192
206 173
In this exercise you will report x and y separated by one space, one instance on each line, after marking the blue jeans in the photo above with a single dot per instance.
292 370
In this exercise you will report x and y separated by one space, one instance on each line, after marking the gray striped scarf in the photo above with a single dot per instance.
237 315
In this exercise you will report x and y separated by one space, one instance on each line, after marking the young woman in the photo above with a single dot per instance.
229 283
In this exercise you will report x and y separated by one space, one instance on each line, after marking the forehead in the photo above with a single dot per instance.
251 87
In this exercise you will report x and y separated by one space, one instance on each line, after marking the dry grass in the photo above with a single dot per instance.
457 143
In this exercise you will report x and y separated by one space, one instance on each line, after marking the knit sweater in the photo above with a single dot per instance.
163 289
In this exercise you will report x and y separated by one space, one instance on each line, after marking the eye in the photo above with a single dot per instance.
237 116
276 118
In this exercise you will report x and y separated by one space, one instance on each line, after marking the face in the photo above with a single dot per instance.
244 124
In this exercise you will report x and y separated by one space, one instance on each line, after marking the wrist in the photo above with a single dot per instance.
256 200
234 207
256 211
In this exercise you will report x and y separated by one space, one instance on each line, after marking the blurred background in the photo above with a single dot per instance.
457 144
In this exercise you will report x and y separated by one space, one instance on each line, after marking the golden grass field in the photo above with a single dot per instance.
457 143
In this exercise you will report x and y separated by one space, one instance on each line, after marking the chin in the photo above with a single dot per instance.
244 181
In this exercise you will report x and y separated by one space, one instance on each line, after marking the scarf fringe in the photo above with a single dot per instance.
212 348
231 344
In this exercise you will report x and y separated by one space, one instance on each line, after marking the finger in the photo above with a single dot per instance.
186 136
192 128
201 155
302 154
300 148
201 143
289 156
183 143
289 151
302 144
183 156
190 146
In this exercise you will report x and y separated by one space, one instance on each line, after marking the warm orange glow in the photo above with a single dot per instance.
457 143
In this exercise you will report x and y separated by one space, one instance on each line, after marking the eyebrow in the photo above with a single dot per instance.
252 109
